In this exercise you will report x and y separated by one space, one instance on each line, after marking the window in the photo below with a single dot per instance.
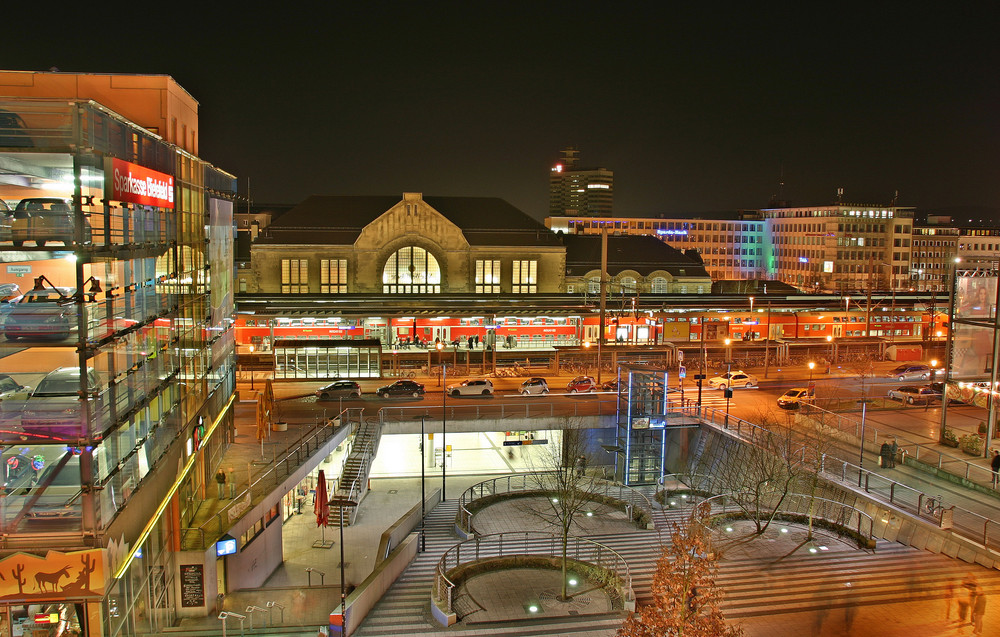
294 276
488 276
333 276
411 270
627 284
659 285
594 285
525 277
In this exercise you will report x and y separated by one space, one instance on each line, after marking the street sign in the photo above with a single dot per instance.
680 355
682 371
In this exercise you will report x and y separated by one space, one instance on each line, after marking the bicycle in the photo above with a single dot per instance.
933 507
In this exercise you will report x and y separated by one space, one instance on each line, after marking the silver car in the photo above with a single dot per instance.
534 386
481 387
911 372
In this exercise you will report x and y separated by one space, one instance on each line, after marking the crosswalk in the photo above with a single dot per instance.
752 586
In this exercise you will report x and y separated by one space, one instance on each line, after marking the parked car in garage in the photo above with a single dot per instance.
793 398
48 313
911 372
6 220
472 387
55 408
533 386
13 131
581 384
61 498
44 220
912 394
401 388
10 389
733 379
10 295
611 385
339 389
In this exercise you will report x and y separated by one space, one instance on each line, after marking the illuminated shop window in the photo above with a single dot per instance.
411 270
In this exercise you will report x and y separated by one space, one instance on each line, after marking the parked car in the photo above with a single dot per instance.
911 372
475 387
911 394
401 388
12 390
46 219
733 379
47 313
611 385
61 498
13 131
793 398
6 220
55 408
339 389
10 294
534 385
581 384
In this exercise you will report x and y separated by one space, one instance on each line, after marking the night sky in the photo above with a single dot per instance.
695 110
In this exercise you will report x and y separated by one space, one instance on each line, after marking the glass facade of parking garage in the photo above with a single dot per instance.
117 345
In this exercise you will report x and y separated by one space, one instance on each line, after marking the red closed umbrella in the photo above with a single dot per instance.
322 509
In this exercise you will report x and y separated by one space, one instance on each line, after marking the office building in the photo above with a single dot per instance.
575 191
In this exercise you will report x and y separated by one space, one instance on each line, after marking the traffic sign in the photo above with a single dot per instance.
682 371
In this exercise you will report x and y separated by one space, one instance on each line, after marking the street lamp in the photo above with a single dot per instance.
444 429
251 368
812 366
423 497
833 355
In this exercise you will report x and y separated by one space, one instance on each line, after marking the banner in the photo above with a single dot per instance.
132 183
28 577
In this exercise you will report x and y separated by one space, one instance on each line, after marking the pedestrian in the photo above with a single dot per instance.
884 454
949 598
892 458
477 340
969 585
995 465
581 466
220 479
470 342
978 610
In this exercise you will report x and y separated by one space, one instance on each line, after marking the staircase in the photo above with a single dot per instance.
357 466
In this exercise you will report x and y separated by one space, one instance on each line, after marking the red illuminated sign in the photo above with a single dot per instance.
131 183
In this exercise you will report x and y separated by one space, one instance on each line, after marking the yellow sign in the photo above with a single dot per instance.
28 577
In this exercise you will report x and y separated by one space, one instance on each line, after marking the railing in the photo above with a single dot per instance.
365 455
200 537
518 543
474 410
948 463
838 513
964 522
538 481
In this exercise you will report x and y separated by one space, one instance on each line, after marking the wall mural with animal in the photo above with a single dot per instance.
28 577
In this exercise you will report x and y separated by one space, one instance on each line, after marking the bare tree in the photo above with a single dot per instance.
560 474
862 369
757 476
685 596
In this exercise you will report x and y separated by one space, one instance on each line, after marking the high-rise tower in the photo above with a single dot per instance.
580 192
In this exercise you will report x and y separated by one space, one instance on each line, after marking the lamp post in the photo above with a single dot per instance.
444 429
423 497
812 366
251 369
833 355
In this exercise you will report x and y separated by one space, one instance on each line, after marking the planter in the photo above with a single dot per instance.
279 426
949 443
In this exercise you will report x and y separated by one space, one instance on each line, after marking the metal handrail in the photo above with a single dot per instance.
964 522
808 500
507 411
292 456
516 543
931 456
535 481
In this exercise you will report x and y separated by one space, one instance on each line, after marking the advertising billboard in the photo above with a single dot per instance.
132 183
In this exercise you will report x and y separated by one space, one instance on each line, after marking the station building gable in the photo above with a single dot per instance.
413 245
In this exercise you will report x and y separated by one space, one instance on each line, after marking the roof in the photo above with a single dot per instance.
340 220
641 253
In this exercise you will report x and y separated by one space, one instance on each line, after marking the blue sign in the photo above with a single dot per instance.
225 546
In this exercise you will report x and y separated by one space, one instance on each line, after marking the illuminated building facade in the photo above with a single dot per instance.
117 332
580 192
